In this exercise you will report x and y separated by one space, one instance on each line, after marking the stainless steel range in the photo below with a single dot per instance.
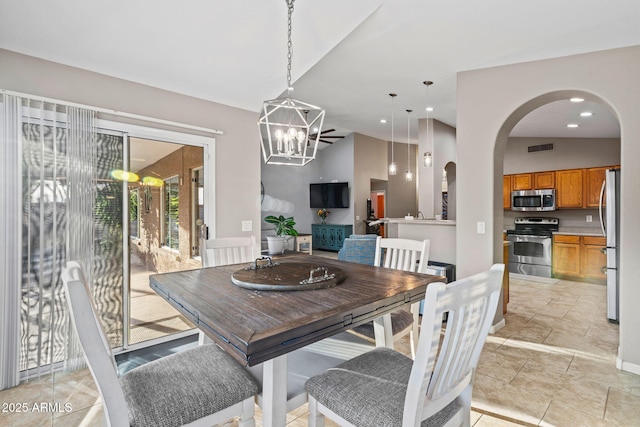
530 248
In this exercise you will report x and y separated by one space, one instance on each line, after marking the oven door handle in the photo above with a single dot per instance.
527 238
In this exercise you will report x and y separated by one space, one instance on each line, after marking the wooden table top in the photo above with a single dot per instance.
254 326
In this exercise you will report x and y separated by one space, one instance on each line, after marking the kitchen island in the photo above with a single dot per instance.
441 233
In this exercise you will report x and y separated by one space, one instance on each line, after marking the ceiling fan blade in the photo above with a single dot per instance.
327 131
330 136
325 141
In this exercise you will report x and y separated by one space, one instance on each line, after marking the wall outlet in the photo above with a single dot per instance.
589 218
247 225
480 227
357 217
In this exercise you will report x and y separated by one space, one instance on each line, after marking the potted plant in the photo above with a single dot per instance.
284 230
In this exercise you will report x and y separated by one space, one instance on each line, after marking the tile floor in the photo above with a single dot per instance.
553 364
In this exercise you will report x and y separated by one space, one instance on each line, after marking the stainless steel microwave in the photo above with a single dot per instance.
533 200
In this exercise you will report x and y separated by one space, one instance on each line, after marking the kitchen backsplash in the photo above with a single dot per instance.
568 218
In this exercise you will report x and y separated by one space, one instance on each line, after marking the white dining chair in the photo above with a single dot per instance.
384 388
406 255
199 387
228 250
225 251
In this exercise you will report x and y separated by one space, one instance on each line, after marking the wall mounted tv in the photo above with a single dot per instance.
329 195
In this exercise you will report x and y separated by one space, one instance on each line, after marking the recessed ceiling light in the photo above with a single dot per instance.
576 99
572 125
383 121
586 114
429 109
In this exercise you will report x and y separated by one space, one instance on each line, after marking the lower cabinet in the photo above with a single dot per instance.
579 257
330 237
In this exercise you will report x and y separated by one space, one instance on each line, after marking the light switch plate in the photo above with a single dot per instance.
247 225
589 218
480 227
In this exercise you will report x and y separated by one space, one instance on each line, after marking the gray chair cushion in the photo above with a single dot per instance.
184 387
369 390
400 320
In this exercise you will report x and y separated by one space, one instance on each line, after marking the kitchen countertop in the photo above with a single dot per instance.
580 231
575 231
416 221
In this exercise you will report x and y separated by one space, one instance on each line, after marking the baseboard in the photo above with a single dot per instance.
627 366
495 328
548 280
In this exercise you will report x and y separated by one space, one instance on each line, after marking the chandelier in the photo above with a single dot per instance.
289 129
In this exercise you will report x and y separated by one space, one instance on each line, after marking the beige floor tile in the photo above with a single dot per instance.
622 408
490 421
557 357
500 366
562 415
26 419
92 416
507 401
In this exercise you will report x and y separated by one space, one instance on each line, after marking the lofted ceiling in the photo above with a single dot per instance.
347 55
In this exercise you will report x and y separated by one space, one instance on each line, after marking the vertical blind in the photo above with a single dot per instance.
10 222
61 204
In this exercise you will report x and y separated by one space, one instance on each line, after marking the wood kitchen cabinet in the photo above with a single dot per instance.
506 192
569 188
566 255
522 181
544 180
594 177
579 257
592 258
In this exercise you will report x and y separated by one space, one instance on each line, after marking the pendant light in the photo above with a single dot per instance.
286 124
408 176
393 169
428 157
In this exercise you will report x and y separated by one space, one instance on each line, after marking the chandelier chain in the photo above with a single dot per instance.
289 44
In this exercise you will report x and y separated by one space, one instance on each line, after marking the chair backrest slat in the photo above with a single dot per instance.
402 254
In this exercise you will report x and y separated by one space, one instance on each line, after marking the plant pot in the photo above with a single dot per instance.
275 244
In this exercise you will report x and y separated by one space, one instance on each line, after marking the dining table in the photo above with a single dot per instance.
260 326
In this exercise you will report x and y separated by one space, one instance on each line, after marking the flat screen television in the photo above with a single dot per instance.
329 195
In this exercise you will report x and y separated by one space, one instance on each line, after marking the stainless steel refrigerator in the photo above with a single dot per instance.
609 221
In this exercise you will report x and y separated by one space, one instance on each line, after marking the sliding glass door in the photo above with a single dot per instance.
126 207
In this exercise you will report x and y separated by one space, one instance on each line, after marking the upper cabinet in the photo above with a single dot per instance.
533 181
594 179
522 181
544 180
569 188
506 191
575 188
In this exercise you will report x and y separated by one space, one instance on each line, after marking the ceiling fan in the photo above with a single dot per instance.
324 137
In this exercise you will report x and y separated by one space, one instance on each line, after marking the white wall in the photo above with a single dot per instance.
568 153
371 162
402 196
237 152
491 101
439 139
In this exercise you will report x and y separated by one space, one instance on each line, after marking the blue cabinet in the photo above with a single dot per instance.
330 237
